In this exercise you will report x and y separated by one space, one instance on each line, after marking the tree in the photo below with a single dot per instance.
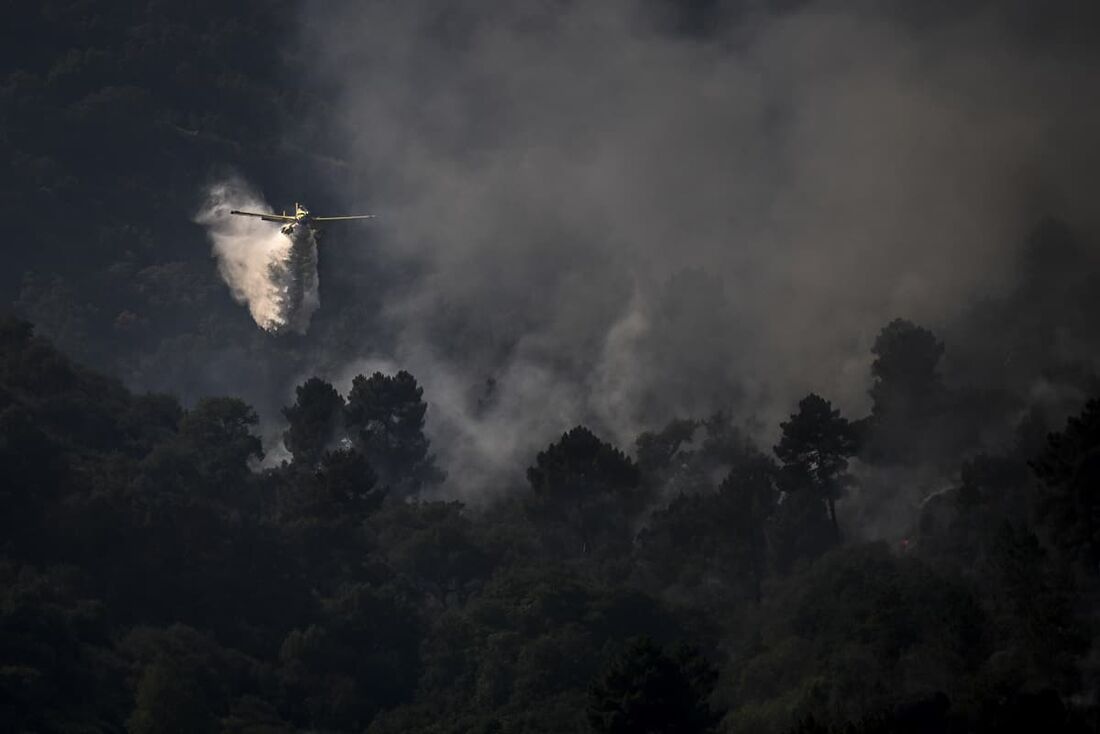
341 490
435 544
385 421
1070 471
185 679
854 634
218 433
349 484
907 391
315 420
906 368
714 543
30 471
685 546
814 449
588 488
1032 603
360 656
644 690
750 494
689 456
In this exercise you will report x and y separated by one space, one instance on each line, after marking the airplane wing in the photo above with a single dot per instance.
340 219
265 217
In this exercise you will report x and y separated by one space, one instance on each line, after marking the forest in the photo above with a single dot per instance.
209 529
154 582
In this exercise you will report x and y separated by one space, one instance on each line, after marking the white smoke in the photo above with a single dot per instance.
273 273
619 224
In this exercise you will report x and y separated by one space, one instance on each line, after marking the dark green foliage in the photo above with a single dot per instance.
578 461
929 714
714 543
218 433
916 418
385 421
814 449
959 526
58 669
802 531
155 580
857 633
435 543
1024 712
907 393
358 657
522 652
644 690
906 369
314 421
348 483
1041 636
751 495
586 493
1070 470
690 456
341 489
168 702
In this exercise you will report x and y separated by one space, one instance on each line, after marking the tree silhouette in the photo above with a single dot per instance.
385 421
314 420
1070 470
587 487
907 391
814 449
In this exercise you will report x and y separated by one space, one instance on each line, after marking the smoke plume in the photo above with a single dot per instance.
274 274
618 221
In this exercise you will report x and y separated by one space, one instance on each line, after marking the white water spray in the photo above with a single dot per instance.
274 274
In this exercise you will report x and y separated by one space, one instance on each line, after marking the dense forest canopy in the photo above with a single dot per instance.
715 367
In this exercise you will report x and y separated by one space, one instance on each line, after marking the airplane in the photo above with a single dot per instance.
301 216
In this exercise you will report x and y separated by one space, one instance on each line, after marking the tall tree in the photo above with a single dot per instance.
314 420
906 367
385 420
588 488
907 391
814 449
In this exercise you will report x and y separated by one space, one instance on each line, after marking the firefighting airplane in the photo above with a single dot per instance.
301 216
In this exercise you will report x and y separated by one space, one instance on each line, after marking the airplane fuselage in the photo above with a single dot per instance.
301 217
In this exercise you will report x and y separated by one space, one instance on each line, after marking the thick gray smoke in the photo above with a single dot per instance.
617 223
274 274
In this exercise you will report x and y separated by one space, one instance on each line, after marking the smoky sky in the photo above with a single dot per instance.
622 212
